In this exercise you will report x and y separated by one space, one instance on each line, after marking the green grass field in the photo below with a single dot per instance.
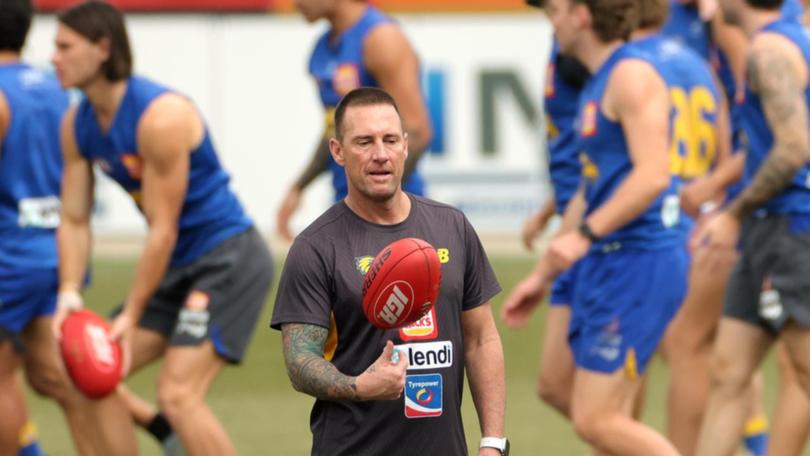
265 416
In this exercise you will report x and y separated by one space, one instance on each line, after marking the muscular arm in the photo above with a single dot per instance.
483 357
392 61
168 131
73 234
309 372
642 108
774 75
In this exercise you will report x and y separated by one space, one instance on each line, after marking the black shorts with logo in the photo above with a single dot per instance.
218 297
770 283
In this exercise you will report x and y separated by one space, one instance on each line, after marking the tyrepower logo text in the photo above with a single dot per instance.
427 355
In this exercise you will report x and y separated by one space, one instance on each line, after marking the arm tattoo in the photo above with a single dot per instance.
773 77
309 372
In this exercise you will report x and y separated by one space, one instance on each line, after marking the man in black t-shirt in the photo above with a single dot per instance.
331 350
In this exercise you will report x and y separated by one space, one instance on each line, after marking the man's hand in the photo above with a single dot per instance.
524 298
383 380
695 194
721 231
121 332
566 250
66 302
288 207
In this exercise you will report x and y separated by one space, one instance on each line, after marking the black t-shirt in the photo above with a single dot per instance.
321 284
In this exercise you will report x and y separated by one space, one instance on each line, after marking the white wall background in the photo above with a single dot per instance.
247 73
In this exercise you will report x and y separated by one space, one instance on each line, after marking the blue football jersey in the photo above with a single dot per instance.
211 213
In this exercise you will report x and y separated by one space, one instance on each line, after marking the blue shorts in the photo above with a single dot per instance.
562 290
26 294
622 305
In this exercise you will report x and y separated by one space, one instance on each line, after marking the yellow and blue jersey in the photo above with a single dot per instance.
561 101
607 154
210 214
338 66
30 167
795 199
696 101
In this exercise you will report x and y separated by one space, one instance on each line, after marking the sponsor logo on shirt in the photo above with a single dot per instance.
550 81
346 79
133 164
428 355
423 329
588 127
423 395
444 255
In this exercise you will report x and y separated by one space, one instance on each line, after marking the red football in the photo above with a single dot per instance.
93 362
401 284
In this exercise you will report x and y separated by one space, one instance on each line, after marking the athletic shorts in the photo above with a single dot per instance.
770 283
25 294
622 305
218 297
562 290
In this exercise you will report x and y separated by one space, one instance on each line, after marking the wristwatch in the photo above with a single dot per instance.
585 230
499 443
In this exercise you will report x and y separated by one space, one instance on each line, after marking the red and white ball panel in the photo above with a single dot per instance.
402 283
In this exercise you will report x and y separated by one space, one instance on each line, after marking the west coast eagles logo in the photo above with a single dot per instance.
363 263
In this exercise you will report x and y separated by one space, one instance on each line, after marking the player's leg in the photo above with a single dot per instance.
797 344
755 431
739 349
228 290
687 345
187 373
555 381
556 378
99 427
791 417
601 408
12 402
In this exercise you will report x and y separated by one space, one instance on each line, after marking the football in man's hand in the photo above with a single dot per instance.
402 283
92 360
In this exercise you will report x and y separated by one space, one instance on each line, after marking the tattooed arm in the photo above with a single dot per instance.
773 74
310 373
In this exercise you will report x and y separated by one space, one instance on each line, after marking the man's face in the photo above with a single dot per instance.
562 17
77 60
373 151
313 10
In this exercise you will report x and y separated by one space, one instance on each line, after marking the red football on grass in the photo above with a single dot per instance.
92 360
401 284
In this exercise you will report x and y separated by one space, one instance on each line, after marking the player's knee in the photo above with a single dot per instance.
587 425
728 375
552 391
176 398
49 382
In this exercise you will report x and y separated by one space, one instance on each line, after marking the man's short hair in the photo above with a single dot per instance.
652 13
363 96
765 4
15 20
536 3
612 19
96 20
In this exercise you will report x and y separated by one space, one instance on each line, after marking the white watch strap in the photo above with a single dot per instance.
498 443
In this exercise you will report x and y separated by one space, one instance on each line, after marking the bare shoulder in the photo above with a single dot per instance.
170 118
634 83
772 57
386 44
